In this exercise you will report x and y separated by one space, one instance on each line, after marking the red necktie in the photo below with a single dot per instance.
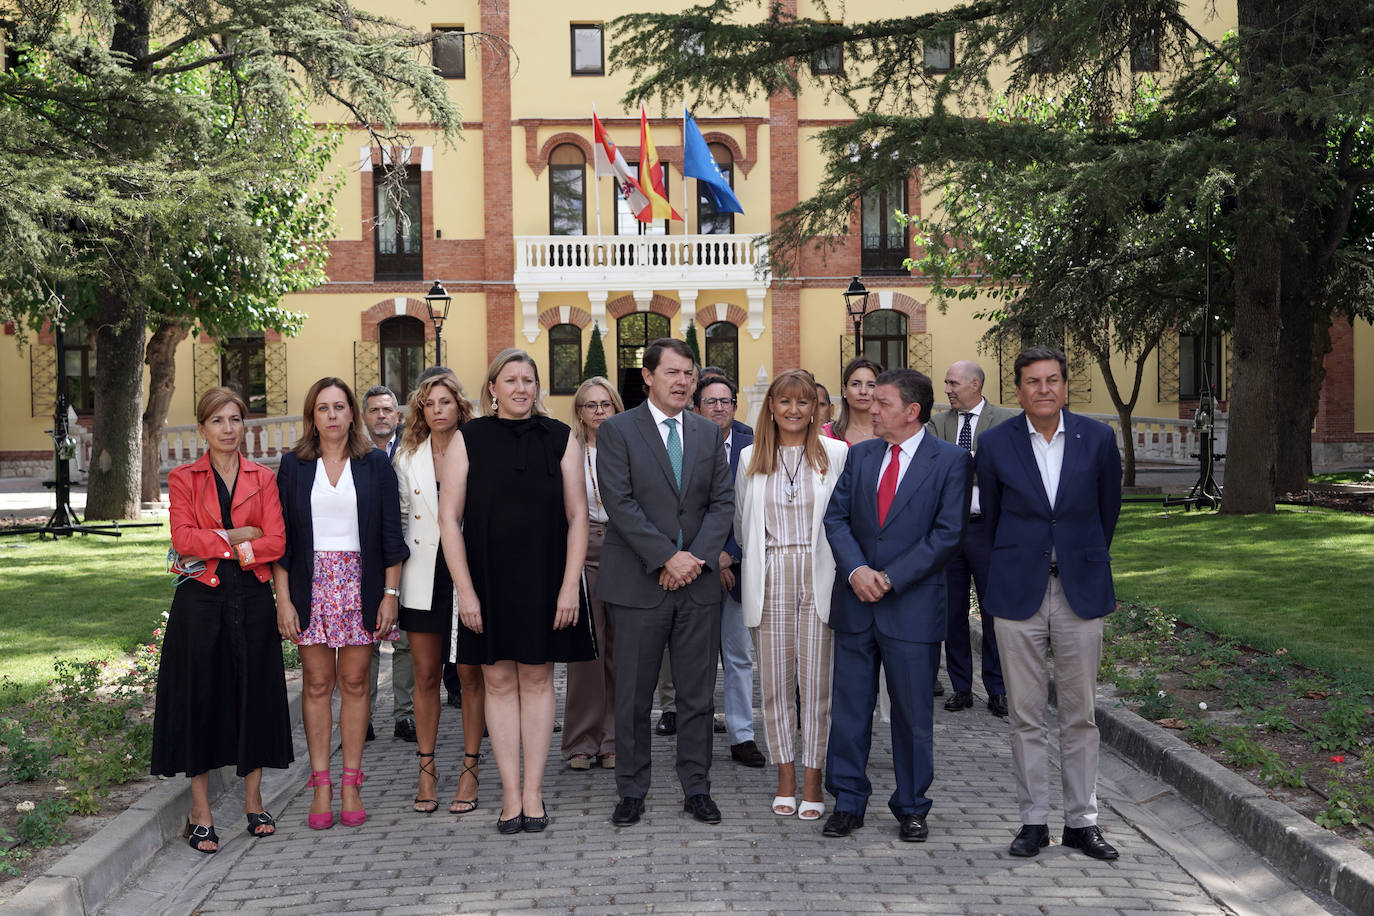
887 487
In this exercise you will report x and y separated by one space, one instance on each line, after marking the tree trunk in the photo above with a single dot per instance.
161 359
113 479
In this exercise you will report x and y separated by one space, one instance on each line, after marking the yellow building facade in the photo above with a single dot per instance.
535 251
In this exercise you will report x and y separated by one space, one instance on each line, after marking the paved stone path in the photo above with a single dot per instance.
1173 858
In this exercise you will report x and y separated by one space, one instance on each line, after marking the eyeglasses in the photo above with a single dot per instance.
717 402
598 406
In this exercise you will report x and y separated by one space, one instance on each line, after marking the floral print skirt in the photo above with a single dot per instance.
336 615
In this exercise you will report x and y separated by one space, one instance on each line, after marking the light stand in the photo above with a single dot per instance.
856 306
438 296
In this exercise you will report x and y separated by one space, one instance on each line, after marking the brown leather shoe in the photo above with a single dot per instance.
748 753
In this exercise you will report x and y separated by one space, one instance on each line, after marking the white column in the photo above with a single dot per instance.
529 311
756 295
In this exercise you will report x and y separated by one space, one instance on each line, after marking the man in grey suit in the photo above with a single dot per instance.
969 416
667 491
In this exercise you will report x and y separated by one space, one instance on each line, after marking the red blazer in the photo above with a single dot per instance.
196 516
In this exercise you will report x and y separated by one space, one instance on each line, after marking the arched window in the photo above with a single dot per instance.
885 338
402 344
398 245
708 219
565 358
567 191
722 348
633 333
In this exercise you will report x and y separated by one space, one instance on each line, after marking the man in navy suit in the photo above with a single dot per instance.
1050 483
896 518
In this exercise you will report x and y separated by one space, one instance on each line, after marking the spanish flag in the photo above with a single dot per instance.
651 177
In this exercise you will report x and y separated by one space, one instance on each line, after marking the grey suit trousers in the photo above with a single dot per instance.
692 632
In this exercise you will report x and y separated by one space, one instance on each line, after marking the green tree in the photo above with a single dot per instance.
692 342
156 118
1301 76
596 356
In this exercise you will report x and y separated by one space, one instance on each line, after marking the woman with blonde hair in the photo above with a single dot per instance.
589 710
513 518
785 481
436 411
338 581
855 421
221 690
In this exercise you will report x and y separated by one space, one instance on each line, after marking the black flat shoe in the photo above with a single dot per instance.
511 825
960 699
627 812
841 823
256 823
1030 840
1090 842
537 824
195 834
997 705
667 724
702 808
913 829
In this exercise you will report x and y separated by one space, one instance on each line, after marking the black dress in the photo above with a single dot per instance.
439 617
515 530
221 688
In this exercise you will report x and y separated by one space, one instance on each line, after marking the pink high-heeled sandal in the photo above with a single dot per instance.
352 777
326 820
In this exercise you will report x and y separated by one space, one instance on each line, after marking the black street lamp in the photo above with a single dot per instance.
439 300
856 305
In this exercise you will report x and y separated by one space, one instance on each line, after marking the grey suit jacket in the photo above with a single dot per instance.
946 423
646 509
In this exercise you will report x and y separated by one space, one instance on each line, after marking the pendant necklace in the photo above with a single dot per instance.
791 488
591 475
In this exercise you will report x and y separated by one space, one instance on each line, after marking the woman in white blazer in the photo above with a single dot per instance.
784 484
437 408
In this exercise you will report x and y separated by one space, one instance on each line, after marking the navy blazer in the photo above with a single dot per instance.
379 528
738 442
1025 528
924 528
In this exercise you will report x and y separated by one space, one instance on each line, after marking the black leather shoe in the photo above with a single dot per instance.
702 808
960 699
1031 839
405 729
842 823
718 725
939 689
913 828
511 825
627 811
997 705
667 724
371 735
1090 841
455 700
748 753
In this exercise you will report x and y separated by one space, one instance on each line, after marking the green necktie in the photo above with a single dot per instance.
675 459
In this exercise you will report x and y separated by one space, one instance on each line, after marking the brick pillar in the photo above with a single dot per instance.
1335 420
783 195
498 183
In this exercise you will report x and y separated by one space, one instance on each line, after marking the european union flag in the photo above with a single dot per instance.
698 163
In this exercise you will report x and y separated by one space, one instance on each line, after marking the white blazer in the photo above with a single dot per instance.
749 520
419 522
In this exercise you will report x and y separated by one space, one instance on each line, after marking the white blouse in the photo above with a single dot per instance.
334 510
595 510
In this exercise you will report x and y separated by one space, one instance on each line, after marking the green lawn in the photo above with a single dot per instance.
1366 476
80 598
1302 579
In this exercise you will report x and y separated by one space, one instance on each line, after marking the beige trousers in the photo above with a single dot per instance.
794 650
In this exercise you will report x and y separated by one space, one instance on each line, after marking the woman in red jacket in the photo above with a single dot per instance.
221 690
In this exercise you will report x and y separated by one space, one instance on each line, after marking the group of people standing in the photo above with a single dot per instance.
509 542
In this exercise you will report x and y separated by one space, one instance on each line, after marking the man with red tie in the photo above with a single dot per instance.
895 520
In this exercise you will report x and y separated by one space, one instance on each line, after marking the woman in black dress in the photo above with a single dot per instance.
437 409
221 690
513 482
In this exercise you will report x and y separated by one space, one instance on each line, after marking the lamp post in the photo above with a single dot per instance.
438 296
856 305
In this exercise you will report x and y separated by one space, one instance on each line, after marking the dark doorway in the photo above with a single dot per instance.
633 333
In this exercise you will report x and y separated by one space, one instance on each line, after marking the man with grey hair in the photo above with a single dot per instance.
969 416
382 418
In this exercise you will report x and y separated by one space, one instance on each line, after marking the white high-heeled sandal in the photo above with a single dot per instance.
811 811
785 801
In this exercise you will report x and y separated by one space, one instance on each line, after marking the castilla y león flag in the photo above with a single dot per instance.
607 161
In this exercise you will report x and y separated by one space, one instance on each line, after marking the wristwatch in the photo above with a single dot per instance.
886 580
391 590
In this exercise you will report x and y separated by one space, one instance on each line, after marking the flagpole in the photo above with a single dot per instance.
686 201
596 178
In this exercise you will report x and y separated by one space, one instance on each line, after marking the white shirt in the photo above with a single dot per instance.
596 511
728 436
1049 456
334 510
975 507
906 453
660 416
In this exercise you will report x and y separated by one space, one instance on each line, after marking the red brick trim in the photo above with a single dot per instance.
540 161
626 305
913 309
553 317
708 315
374 316
745 159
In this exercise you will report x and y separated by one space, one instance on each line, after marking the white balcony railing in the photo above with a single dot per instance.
625 261
1163 440
265 438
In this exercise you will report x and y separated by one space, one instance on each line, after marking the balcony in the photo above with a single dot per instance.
640 264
